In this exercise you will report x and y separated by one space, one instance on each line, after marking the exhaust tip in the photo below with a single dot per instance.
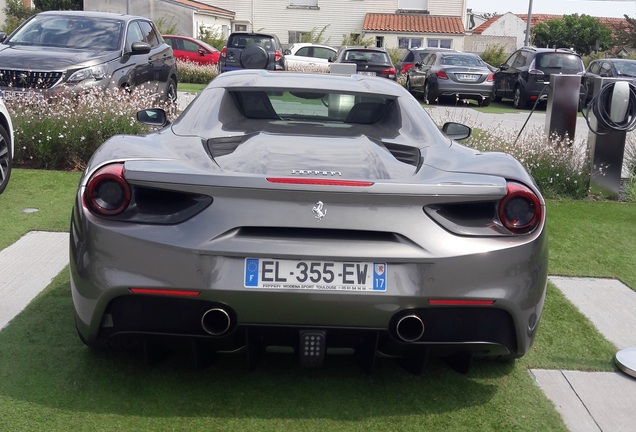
409 328
216 321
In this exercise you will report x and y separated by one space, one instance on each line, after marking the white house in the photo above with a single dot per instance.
186 16
392 23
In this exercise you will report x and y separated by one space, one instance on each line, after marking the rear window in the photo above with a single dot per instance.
559 61
367 56
462 60
242 41
310 106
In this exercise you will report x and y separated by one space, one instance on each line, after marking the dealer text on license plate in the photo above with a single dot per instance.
314 275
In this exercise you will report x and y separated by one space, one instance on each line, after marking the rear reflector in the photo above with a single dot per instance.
451 302
154 291
314 181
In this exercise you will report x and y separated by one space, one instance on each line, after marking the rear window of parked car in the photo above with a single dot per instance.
559 61
368 56
243 41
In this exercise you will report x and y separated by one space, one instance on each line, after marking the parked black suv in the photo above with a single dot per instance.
526 73
252 51
74 51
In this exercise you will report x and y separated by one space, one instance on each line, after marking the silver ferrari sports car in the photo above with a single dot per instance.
310 213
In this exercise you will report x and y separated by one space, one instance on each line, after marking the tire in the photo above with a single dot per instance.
171 96
6 159
254 57
408 85
519 100
484 103
428 95
496 97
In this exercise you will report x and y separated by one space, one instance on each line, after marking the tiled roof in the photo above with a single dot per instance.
413 23
204 7
483 26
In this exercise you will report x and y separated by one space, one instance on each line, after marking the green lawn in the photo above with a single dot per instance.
50 382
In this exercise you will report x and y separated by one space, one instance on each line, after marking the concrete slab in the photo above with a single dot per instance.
608 303
591 401
28 266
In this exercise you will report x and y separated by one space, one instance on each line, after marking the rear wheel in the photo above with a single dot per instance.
6 159
519 100
429 96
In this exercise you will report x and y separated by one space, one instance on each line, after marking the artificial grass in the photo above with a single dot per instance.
49 381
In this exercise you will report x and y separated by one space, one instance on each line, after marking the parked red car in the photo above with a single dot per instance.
194 50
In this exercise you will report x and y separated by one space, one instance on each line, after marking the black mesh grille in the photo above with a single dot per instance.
28 79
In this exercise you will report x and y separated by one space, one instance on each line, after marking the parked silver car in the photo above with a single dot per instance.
75 51
452 74
317 212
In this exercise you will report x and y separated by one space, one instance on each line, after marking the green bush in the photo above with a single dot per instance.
494 55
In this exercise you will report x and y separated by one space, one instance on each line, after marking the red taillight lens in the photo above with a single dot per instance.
224 52
406 68
388 71
520 211
107 192
441 75
491 77
277 55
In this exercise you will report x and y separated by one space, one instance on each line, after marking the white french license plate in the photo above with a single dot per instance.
468 77
22 95
314 275
367 73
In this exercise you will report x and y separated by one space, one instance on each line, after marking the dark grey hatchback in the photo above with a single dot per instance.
368 61
75 51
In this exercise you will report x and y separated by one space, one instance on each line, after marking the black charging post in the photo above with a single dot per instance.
606 139
562 107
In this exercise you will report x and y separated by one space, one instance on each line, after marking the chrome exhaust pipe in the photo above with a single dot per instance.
409 328
216 321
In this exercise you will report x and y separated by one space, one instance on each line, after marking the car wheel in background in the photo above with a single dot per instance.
254 57
6 159
485 102
171 96
519 100
428 95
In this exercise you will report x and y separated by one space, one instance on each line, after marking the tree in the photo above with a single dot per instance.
626 34
583 33
46 5
16 14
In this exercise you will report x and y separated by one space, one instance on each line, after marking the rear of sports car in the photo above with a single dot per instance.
307 234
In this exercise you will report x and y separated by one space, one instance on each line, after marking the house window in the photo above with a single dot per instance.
413 5
379 41
406 43
439 43
240 27
297 36
303 3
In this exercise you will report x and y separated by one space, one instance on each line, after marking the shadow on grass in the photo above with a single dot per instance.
43 362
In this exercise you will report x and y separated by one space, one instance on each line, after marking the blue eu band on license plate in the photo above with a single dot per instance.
315 275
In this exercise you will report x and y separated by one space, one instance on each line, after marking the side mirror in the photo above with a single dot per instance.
456 131
330 59
140 48
3 36
202 51
287 52
503 66
153 117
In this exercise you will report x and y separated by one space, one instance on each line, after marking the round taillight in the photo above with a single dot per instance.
520 211
107 192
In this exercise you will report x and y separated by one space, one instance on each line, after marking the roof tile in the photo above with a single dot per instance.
413 23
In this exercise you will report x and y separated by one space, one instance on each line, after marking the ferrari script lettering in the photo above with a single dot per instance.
316 172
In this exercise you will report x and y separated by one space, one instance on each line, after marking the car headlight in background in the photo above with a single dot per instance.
95 72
